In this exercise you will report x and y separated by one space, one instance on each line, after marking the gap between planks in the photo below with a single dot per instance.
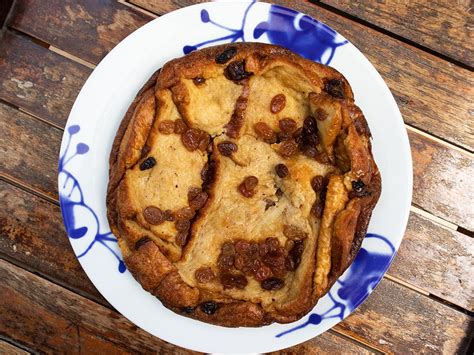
390 34
138 8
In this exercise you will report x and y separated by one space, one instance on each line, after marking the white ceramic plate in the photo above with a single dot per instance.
101 104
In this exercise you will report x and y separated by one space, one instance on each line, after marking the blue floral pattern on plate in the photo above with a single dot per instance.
71 198
309 38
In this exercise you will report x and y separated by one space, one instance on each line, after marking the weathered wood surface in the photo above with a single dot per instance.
445 197
32 235
43 315
30 150
437 260
433 95
442 180
406 322
7 348
92 28
39 80
441 25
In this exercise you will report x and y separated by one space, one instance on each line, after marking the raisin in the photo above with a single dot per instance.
279 192
298 135
226 148
169 216
283 136
265 132
317 209
323 158
193 192
289 264
309 134
226 55
282 170
182 225
166 127
272 284
205 173
233 281
236 71
199 80
198 201
278 103
181 238
287 125
153 215
226 261
204 142
145 150
310 152
228 248
320 114
141 242
296 252
191 139
209 307
241 246
188 310
180 126
204 274
317 183
275 258
293 232
288 149
334 87
184 213
263 272
358 185
148 163
247 187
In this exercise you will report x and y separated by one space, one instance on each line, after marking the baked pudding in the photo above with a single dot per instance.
241 184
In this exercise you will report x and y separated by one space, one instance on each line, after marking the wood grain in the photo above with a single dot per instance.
442 180
30 150
32 235
7 348
443 26
88 29
433 95
50 318
401 321
436 260
38 80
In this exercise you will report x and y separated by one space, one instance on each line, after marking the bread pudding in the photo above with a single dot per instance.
241 184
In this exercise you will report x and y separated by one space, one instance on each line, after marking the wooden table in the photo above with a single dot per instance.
424 51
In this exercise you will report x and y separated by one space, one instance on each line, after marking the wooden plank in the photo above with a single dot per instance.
433 95
88 29
29 150
38 80
5 7
32 235
441 268
7 348
164 6
443 26
442 180
402 321
49 318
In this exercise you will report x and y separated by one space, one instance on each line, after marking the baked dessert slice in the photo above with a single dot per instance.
241 184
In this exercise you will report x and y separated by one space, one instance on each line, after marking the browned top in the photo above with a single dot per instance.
241 176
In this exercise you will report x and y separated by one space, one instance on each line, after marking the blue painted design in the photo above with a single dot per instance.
73 202
300 33
354 286
285 27
233 34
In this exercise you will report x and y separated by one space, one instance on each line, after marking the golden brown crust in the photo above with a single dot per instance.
152 248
